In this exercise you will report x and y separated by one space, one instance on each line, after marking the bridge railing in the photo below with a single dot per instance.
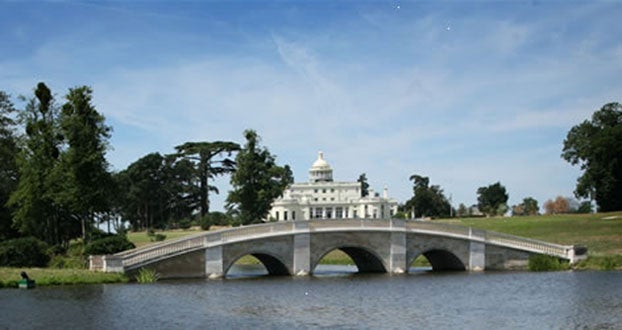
138 256
330 224
435 227
528 244
234 234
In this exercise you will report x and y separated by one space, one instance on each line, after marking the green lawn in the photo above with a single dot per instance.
601 233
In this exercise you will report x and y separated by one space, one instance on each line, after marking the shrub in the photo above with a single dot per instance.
146 275
608 263
108 245
24 252
185 224
543 263
157 237
206 223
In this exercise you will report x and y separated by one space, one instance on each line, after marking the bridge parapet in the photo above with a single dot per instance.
532 245
138 256
438 228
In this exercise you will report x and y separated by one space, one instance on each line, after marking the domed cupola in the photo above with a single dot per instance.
320 170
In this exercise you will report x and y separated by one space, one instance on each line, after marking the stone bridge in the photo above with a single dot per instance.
296 248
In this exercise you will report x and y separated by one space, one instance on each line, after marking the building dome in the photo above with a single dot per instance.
320 170
320 163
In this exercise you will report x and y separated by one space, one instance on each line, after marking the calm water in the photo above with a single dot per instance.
561 300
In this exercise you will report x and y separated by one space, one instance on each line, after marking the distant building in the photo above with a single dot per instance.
324 198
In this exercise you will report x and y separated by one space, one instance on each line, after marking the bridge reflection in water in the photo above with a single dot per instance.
297 247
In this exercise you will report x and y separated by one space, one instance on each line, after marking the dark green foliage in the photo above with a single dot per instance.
185 223
205 223
364 185
491 200
207 164
529 206
596 146
84 184
9 173
156 191
108 245
427 201
24 252
544 263
36 212
257 181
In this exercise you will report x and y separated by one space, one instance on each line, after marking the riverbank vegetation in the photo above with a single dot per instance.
9 277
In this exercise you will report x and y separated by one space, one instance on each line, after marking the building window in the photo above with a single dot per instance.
332 190
346 213
276 215
284 215
318 212
315 199
324 199
339 213
354 214
315 191
332 198
329 213
293 215
323 191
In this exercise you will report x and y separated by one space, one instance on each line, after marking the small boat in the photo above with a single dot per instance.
26 284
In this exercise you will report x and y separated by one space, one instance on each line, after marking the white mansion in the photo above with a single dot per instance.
321 197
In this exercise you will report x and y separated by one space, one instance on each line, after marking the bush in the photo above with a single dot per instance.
206 223
146 275
24 252
608 263
544 263
185 224
108 245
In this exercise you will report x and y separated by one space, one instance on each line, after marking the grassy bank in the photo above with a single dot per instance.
9 277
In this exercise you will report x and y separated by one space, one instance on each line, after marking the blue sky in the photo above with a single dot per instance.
466 93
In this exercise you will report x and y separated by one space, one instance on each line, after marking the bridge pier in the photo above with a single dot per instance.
477 250
214 265
302 249
397 262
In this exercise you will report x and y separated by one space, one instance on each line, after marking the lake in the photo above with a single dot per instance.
334 298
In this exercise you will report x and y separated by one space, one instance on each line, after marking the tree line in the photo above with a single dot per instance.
56 184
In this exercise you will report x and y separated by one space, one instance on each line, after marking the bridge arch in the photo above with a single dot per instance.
441 260
272 263
365 259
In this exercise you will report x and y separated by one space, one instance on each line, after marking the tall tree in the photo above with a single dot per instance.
427 200
87 182
257 181
142 184
364 185
492 200
596 146
36 212
209 163
9 173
